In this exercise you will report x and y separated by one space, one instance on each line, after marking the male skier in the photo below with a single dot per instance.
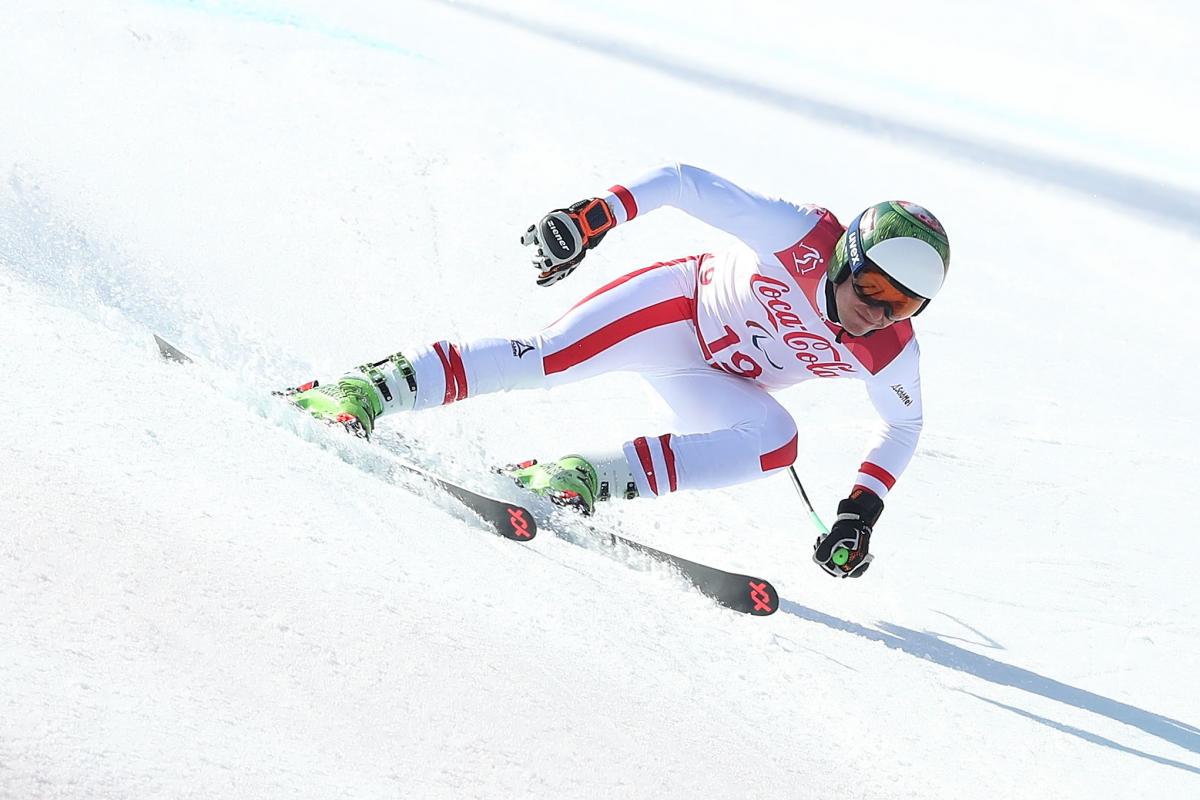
801 298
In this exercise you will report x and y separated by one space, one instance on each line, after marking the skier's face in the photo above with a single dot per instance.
857 316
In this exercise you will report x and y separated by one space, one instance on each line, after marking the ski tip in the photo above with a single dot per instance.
761 598
170 351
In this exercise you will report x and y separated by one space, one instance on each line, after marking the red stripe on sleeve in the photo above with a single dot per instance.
677 309
449 396
783 457
458 373
643 454
626 198
669 457
878 473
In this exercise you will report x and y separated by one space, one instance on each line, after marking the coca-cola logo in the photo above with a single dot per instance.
814 350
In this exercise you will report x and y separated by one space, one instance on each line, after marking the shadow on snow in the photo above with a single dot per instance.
931 648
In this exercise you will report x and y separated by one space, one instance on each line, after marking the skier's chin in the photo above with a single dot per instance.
855 325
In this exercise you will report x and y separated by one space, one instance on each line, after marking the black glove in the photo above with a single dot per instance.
849 540
564 236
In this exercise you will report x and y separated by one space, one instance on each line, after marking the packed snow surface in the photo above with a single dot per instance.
197 602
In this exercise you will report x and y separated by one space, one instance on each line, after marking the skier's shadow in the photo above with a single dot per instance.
931 648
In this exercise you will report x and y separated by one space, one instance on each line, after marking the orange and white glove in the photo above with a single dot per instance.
564 236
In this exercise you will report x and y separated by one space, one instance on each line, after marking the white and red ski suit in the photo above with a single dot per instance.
714 334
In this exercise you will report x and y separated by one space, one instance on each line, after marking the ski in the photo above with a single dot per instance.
503 518
507 519
746 594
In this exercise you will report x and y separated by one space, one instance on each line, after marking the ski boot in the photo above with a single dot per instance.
361 395
570 482
352 402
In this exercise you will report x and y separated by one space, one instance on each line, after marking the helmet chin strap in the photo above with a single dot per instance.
831 309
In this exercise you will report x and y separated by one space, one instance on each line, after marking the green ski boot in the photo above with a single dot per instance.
361 395
352 402
570 482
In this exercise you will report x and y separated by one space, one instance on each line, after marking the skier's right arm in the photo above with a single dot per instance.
768 225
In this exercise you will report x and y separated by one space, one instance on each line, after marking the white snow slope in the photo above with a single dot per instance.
195 602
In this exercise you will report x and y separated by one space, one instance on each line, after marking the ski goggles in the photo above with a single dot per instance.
876 288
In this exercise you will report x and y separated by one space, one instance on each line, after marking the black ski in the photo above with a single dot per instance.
509 520
744 593
506 519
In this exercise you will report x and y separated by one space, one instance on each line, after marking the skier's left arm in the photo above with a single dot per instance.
896 394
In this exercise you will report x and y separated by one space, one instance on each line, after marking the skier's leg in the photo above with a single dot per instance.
639 322
733 431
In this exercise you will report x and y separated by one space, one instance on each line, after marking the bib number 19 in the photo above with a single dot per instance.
738 362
